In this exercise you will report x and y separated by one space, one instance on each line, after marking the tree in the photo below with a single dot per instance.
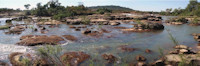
27 6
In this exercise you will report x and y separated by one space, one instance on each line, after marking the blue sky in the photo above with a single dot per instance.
143 5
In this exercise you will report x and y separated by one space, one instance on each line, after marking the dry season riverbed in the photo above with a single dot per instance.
108 42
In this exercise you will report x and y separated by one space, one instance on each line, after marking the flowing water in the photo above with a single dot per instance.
105 44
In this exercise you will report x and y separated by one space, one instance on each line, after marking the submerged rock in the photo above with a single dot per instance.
125 48
140 58
109 57
148 51
70 37
32 40
74 58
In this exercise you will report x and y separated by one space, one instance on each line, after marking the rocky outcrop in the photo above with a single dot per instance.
109 58
33 40
17 59
74 58
144 27
196 36
51 22
16 30
177 21
70 37
181 54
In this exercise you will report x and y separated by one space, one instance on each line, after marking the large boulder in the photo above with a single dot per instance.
32 40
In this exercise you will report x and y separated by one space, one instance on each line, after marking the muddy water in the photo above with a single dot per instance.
109 42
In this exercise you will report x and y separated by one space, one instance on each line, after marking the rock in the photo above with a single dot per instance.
77 29
105 31
8 21
148 51
16 58
95 34
74 58
196 36
144 27
181 47
70 37
35 29
71 26
16 30
126 48
141 64
3 63
115 23
160 62
33 40
109 57
87 31
51 22
120 27
140 58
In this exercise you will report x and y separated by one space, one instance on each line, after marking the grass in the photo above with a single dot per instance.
51 53
4 27
173 39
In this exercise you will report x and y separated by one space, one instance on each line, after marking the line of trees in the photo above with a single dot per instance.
192 9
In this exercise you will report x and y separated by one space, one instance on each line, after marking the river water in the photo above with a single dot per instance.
104 44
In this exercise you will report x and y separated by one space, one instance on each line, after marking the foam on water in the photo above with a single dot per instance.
6 49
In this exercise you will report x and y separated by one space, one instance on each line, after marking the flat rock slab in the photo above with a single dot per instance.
32 40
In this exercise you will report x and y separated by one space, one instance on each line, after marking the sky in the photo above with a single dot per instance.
142 5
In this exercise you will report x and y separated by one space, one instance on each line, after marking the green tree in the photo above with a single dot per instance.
27 6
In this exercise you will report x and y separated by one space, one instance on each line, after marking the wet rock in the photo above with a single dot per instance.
141 64
51 22
196 36
95 34
160 62
144 27
87 31
148 51
71 26
140 58
105 31
181 47
77 29
109 57
42 28
125 48
74 58
70 37
3 63
114 23
17 58
8 21
32 40
16 30
35 29
120 27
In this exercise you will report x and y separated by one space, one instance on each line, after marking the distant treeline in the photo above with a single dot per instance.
6 10
57 11
192 9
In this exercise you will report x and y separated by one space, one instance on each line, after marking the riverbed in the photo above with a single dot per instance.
109 42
